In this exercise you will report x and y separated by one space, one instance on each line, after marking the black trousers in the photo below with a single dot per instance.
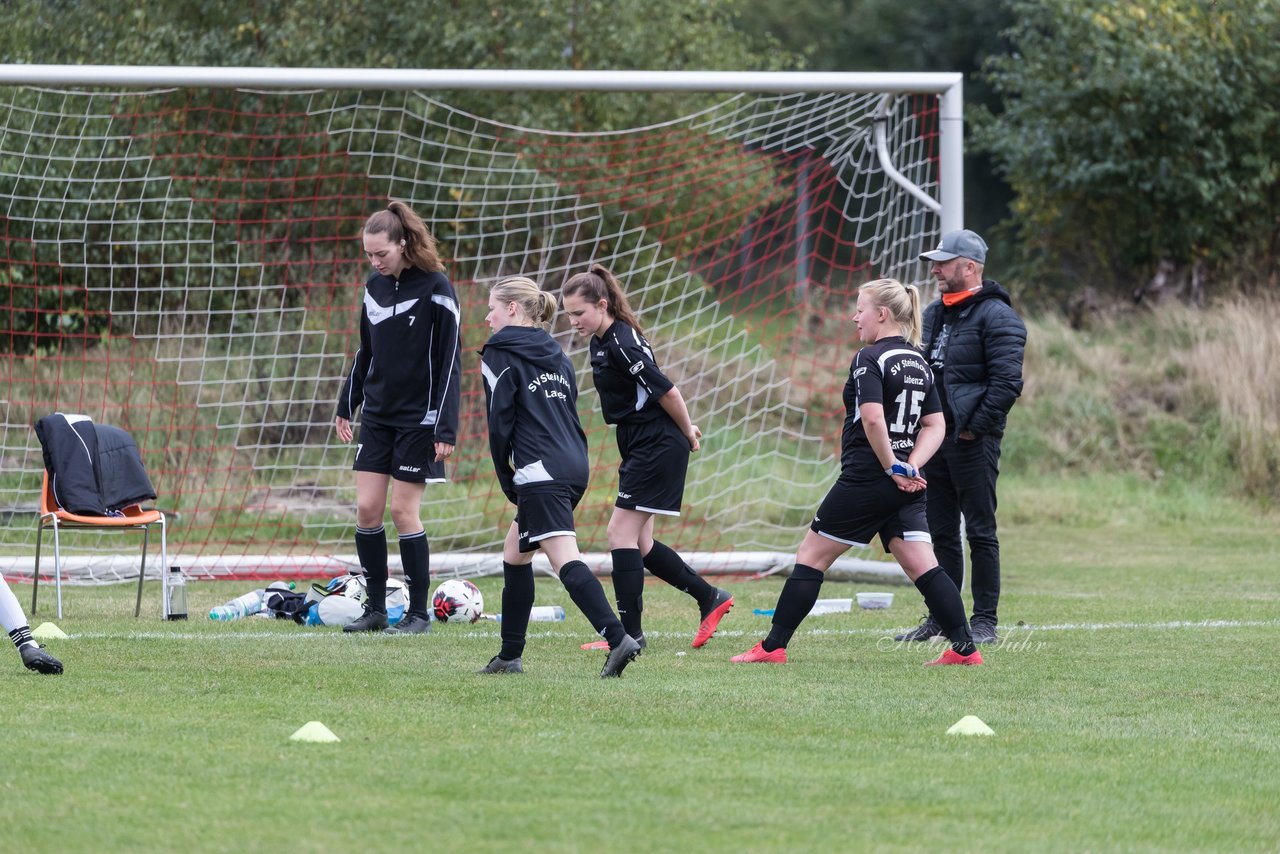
962 482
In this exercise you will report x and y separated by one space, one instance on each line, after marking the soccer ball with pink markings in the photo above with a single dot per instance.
457 600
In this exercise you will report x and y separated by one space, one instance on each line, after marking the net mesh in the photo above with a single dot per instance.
185 264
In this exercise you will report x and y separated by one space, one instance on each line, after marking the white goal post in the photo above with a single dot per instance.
178 246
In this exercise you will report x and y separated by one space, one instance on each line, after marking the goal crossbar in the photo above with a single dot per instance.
456 78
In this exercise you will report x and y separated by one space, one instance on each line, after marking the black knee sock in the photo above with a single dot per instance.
944 603
415 555
586 592
371 548
517 601
664 563
794 604
628 589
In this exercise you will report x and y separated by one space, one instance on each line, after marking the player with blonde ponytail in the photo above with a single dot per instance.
893 425
540 457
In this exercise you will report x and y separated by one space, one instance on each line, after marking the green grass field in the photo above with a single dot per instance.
1135 710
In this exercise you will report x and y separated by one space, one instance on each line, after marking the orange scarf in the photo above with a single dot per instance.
951 299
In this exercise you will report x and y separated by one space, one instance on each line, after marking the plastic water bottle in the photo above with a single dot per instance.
546 614
241 606
177 594
543 614
822 606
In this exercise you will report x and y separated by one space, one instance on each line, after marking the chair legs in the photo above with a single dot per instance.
35 576
142 571
57 566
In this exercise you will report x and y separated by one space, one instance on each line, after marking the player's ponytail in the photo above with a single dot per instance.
901 301
599 284
913 327
546 308
401 225
536 304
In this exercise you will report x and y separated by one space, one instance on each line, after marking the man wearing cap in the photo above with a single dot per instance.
974 341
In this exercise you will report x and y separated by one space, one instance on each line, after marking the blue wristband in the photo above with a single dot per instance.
901 469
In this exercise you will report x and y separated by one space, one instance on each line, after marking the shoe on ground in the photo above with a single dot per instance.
983 630
410 624
35 658
950 656
711 620
757 655
603 644
619 658
369 621
502 665
927 630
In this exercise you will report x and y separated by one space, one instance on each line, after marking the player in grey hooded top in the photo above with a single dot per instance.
540 457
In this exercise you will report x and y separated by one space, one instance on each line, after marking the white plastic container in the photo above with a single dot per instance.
874 601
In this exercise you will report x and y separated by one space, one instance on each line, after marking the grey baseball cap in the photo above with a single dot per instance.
959 244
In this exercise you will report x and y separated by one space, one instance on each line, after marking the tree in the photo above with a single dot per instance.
537 34
1140 134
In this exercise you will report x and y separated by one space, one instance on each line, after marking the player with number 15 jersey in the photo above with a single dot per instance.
896 375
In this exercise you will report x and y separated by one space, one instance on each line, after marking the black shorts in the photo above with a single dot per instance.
655 458
854 511
405 453
545 511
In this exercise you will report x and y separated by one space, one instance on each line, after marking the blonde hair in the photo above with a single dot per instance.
399 223
901 301
537 305
599 284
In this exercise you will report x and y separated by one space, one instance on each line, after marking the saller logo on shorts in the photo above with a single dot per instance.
410 469
637 368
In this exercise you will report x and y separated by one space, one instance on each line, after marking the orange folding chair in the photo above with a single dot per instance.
53 516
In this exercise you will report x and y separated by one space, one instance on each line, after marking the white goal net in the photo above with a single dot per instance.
182 261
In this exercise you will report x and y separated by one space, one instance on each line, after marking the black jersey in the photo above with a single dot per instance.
535 436
626 376
893 373
407 372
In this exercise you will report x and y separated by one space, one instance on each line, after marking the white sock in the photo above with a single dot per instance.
12 618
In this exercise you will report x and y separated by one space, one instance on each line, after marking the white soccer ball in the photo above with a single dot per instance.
351 585
457 600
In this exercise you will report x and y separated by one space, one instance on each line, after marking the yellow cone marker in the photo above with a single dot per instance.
970 725
48 630
314 731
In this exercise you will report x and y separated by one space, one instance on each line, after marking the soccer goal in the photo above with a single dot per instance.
181 258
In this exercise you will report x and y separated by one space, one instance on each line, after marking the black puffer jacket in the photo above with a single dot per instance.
94 469
979 345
